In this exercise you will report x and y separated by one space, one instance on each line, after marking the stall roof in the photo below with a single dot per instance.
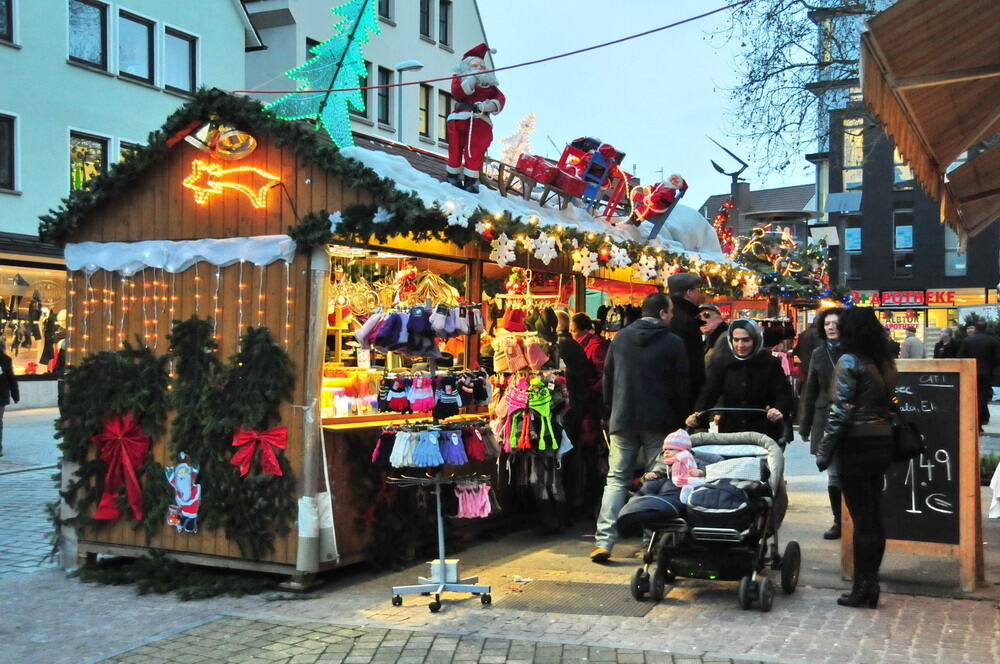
931 73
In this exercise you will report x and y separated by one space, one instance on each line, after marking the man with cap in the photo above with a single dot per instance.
645 391
470 129
713 328
912 347
685 293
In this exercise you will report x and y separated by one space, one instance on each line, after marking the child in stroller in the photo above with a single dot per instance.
727 529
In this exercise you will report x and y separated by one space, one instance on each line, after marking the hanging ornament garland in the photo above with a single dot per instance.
722 229
646 268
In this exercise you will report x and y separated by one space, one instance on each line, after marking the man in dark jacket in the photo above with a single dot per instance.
646 388
713 329
946 346
8 388
685 293
807 342
985 349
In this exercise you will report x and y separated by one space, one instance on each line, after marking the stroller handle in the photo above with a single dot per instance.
786 425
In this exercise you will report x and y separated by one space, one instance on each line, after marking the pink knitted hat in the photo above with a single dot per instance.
678 440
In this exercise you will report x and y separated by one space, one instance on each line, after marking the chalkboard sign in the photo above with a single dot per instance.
920 502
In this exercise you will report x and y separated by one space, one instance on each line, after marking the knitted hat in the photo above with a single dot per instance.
682 281
678 440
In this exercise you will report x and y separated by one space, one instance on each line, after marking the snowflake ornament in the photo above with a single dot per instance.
619 257
503 250
584 261
335 220
545 248
528 244
481 227
666 271
382 215
646 268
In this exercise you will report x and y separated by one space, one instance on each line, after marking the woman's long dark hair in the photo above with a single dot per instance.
821 319
861 334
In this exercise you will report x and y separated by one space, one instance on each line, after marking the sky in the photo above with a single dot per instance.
656 98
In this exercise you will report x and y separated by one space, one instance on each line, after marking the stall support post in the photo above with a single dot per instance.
475 295
307 561
579 292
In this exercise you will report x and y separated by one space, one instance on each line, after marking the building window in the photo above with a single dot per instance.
852 252
902 174
385 9
7 152
88 33
444 110
88 156
444 22
424 111
363 93
127 149
384 79
180 57
902 224
135 47
955 260
7 20
310 45
425 18
854 153
902 265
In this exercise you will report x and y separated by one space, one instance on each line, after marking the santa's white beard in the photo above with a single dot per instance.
481 80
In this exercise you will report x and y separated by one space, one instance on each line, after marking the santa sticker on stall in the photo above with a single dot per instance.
183 514
470 127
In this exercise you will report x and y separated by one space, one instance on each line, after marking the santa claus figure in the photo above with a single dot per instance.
187 496
470 129
655 199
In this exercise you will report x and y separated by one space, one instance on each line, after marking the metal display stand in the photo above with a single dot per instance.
438 583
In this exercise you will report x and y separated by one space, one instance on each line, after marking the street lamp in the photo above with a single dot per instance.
405 65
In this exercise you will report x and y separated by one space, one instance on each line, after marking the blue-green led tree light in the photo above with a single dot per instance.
338 62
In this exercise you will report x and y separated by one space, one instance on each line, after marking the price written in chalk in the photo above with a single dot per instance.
920 475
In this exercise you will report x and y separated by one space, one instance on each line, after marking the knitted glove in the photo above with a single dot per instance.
438 319
475 449
452 449
428 450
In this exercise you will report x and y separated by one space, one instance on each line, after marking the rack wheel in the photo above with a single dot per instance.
765 595
640 583
486 599
434 606
397 600
745 595
790 565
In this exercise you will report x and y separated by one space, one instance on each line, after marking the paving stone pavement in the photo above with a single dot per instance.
24 537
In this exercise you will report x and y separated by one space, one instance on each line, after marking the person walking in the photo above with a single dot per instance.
946 346
859 432
646 388
686 296
8 388
816 402
807 342
985 349
912 347
746 375
713 329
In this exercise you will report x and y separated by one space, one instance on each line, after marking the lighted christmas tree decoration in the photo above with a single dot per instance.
337 63
519 142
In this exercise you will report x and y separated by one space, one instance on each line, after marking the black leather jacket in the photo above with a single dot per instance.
859 402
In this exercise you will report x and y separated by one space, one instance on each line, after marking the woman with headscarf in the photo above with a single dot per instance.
746 375
816 402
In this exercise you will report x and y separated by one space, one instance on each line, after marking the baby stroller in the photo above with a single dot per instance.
728 528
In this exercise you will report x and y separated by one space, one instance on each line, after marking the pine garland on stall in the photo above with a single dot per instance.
196 385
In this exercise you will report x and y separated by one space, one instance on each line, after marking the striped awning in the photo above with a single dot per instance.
930 71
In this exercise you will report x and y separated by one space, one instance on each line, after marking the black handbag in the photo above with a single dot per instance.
907 441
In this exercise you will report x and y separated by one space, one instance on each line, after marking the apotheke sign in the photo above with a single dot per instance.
903 298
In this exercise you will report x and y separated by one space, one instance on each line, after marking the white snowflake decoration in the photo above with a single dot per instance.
335 220
619 257
503 250
646 268
584 261
545 248
666 272
528 244
481 227
382 215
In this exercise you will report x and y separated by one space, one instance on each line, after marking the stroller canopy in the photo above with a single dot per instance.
744 444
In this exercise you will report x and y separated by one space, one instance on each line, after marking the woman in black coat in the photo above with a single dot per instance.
746 375
8 388
859 429
946 347
816 401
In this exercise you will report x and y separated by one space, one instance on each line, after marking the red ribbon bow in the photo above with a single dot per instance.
266 441
122 446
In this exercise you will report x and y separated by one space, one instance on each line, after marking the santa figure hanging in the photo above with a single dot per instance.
183 514
470 128
650 200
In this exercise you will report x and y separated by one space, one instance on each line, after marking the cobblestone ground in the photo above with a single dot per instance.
24 537
248 641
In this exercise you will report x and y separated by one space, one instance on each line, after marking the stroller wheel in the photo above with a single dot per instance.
765 595
745 595
790 564
640 583
658 585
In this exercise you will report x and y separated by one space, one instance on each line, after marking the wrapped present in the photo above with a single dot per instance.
571 184
539 168
525 164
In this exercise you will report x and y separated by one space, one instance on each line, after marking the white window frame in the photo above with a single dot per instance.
16 161
110 59
154 43
118 148
196 73
14 32
70 130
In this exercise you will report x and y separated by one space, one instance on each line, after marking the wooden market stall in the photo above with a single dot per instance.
180 232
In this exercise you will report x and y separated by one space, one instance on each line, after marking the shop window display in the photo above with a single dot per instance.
33 315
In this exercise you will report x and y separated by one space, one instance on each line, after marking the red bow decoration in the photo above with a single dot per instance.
122 446
250 441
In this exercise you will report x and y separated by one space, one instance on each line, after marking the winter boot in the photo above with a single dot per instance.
471 185
455 180
834 531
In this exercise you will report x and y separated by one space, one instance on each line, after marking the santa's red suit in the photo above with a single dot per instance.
655 199
470 129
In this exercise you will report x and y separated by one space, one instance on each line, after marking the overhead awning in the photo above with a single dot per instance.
930 71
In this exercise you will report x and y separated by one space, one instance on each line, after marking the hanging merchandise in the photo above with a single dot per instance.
421 394
448 399
453 448
473 500
429 445
183 514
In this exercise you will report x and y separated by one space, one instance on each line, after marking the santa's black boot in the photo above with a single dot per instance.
455 180
471 185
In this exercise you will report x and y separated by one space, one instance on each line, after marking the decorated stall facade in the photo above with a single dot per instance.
216 271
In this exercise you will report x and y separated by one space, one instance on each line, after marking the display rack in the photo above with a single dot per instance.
439 569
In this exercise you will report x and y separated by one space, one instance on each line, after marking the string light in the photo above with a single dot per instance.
208 179
87 293
145 314
239 300
215 305
260 295
70 315
109 313
288 304
197 290
124 301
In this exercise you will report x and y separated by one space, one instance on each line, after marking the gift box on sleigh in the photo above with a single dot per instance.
539 168
570 184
